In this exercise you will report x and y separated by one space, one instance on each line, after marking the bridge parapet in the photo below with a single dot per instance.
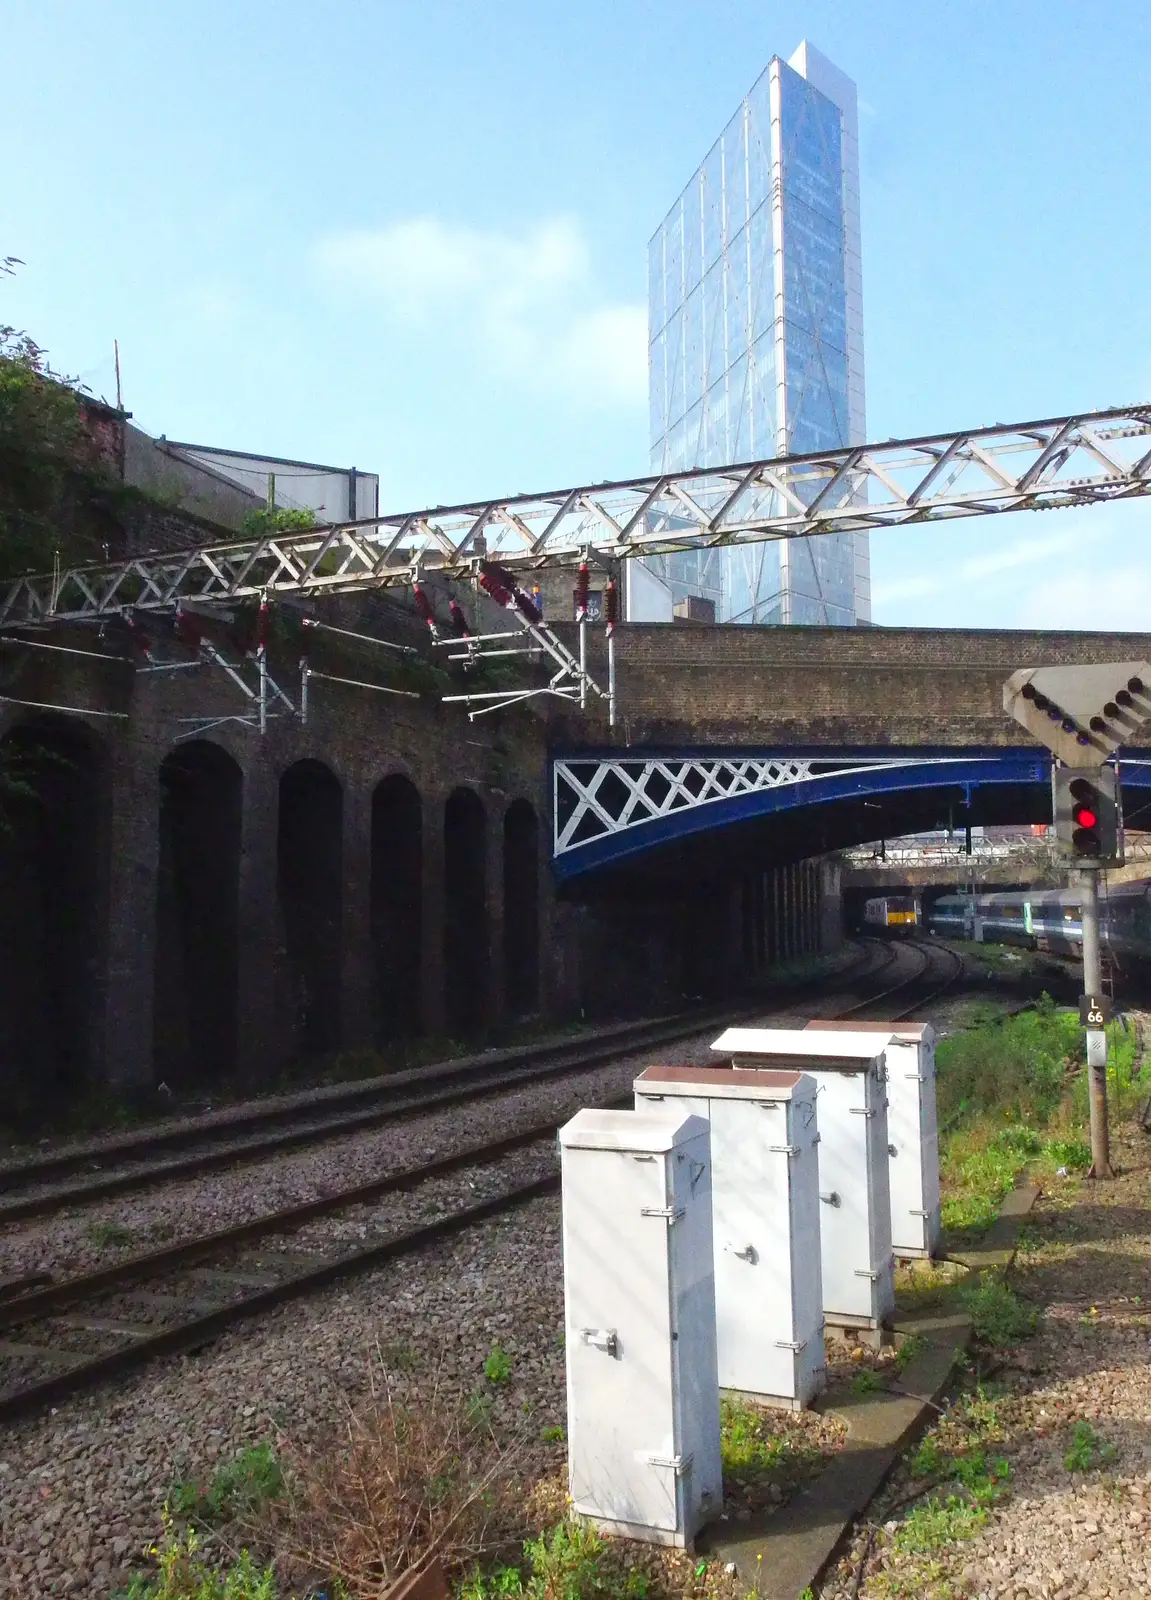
768 687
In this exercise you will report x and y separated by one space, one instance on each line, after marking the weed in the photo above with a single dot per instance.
554 1435
936 1523
998 1316
400 1357
498 1366
184 1575
237 1489
1074 1154
412 1476
907 1350
866 1382
572 1563
1088 1450
103 1234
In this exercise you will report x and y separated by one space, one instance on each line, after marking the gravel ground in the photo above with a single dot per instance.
81 1488
1086 1263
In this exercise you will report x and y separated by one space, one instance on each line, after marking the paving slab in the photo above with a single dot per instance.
787 1551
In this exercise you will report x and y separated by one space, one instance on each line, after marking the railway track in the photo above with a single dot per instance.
58 1338
128 1164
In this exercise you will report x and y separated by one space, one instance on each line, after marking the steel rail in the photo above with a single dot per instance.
471 1079
193 1332
1028 466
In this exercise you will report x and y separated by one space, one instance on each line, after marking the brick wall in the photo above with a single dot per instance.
834 686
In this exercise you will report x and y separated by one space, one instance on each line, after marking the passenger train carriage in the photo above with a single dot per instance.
1048 919
899 911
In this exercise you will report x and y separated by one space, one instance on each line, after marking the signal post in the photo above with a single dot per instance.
1084 715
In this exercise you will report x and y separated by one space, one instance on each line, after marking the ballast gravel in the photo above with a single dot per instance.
80 1238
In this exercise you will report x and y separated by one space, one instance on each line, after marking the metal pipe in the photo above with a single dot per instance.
1096 1037
583 660
305 674
611 678
262 661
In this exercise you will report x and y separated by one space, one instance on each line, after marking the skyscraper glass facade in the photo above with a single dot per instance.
756 339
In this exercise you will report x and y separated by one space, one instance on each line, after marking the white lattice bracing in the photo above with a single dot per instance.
1063 461
595 797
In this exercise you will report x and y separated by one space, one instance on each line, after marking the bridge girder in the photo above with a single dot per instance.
1087 459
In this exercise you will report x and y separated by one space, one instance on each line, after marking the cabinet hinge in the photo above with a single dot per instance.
670 1214
783 1149
862 1111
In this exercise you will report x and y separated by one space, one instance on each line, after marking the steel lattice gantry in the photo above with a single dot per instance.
1032 466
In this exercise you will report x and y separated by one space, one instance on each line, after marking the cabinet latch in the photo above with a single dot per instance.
677 1464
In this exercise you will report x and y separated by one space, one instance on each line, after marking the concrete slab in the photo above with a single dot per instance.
787 1551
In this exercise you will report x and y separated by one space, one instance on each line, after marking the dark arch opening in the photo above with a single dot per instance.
197 916
466 952
521 909
51 809
310 872
397 907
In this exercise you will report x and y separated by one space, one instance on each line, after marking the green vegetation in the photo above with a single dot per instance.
184 1575
756 1448
1088 1450
239 1488
498 1366
572 1563
998 1317
556 1434
957 1487
866 1382
1011 1093
103 1234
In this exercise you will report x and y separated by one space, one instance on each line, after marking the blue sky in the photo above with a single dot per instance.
412 237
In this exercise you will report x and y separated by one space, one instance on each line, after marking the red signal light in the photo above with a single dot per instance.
1085 817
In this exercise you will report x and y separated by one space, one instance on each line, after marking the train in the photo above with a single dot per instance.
899 912
1048 919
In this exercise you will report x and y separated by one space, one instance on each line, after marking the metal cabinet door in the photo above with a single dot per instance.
617 1281
750 1206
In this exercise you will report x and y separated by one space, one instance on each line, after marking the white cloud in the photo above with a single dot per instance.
1117 600
523 302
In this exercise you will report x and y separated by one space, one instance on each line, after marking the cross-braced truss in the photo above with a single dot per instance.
1035 466
596 797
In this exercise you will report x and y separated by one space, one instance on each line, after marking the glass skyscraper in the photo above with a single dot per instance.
756 332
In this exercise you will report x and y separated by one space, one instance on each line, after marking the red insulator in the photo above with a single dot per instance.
263 625
189 629
459 621
492 569
527 607
492 585
423 604
141 640
583 590
611 604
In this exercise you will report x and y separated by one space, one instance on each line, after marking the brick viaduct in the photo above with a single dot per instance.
190 908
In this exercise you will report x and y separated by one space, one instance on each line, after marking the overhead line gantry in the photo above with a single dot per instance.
1087 459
